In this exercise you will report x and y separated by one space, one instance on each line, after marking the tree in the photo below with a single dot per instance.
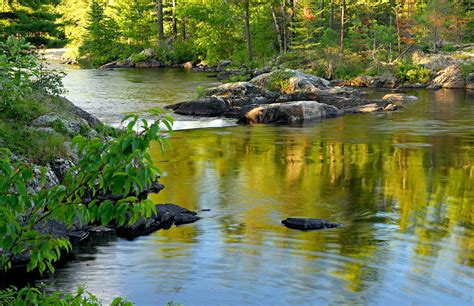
248 38
159 15
101 36
33 20
343 11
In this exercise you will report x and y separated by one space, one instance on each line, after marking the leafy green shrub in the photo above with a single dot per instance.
467 68
39 296
122 167
183 52
21 73
448 48
409 72
139 57
279 80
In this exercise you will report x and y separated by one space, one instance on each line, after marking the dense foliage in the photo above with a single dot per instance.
331 35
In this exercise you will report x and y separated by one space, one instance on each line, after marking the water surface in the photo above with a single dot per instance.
402 183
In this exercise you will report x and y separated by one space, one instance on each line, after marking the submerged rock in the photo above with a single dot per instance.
399 97
309 223
206 107
290 112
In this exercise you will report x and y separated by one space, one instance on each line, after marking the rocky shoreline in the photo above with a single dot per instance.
74 121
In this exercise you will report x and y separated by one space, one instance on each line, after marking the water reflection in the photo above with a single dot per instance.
401 183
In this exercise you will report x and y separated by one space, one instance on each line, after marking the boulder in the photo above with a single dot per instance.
51 180
59 123
92 120
188 65
292 80
179 215
470 81
290 112
451 77
309 223
149 63
399 97
206 107
60 166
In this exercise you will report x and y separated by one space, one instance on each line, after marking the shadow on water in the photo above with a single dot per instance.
402 184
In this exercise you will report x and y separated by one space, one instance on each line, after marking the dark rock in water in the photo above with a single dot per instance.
166 215
309 223
178 214
208 106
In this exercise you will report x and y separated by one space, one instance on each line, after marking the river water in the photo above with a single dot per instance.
402 183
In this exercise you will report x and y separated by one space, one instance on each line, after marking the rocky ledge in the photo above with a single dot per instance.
285 96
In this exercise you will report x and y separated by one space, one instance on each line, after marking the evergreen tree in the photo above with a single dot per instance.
101 39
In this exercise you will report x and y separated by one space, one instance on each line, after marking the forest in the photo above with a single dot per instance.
333 39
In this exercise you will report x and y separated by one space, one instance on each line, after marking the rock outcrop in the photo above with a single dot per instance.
309 223
451 77
282 96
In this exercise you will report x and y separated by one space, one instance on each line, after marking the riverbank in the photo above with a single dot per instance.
38 132
415 69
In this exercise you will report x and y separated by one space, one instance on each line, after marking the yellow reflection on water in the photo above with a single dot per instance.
386 193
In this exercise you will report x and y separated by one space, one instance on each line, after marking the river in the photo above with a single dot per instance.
402 183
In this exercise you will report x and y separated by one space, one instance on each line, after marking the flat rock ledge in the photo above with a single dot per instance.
307 224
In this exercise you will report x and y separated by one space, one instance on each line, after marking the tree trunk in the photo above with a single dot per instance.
183 29
292 19
331 16
321 7
278 30
285 24
248 38
159 13
399 34
343 11
175 26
